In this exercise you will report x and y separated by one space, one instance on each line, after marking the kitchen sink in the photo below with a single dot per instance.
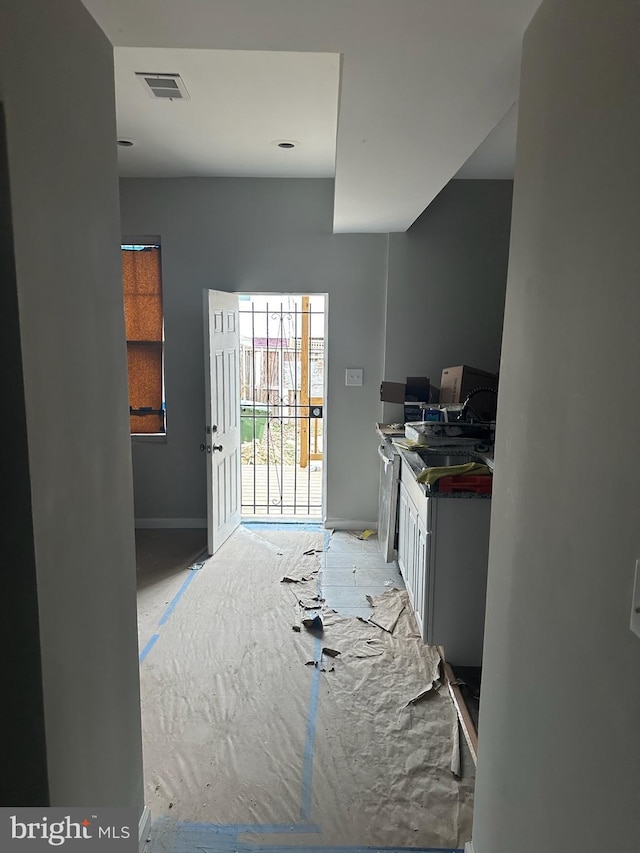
442 460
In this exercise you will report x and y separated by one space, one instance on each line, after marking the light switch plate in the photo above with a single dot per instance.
635 606
353 376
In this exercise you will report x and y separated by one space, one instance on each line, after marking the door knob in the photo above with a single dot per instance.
216 447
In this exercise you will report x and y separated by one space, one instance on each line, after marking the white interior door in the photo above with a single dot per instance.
222 435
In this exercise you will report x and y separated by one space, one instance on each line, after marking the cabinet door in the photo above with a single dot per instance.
406 541
402 534
421 546
411 550
403 514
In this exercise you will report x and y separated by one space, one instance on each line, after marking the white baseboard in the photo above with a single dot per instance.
468 847
170 523
349 524
144 825
201 523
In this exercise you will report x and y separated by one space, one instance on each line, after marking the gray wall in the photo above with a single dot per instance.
23 781
441 305
559 763
447 279
259 235
56 75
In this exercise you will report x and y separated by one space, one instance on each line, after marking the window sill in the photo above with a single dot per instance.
148 437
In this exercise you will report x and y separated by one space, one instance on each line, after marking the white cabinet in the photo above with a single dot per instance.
443 547
413 551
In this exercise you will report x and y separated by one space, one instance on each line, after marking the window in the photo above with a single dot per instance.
142 284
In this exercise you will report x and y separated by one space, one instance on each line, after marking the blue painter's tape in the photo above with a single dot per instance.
282 848
167 613
210 838
312 718
251 828
172 606
148 647
310 737
290 526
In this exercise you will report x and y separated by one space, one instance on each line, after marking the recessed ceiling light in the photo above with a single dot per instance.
125 143
285 143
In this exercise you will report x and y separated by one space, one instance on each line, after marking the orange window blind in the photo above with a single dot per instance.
142 285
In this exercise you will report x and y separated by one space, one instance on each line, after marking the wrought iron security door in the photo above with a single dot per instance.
282 405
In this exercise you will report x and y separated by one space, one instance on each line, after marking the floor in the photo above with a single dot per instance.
350 569
353 568
286 490
163 558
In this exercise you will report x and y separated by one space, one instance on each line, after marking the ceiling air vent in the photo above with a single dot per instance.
164 86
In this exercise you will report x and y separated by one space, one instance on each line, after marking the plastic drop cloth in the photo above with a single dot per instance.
241 731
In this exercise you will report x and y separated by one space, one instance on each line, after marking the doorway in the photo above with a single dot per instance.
283 394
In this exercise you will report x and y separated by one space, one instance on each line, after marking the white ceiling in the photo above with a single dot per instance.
240 103
423 83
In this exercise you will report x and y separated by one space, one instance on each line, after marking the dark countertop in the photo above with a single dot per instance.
387 432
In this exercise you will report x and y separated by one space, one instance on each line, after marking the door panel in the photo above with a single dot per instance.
222 436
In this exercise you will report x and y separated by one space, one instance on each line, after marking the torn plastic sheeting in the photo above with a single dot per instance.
301 579
387 609
392 603
427 693
313 623
332 653
310 602
403 651
414 743
221 669
306 569
367 649
226 714
262 540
